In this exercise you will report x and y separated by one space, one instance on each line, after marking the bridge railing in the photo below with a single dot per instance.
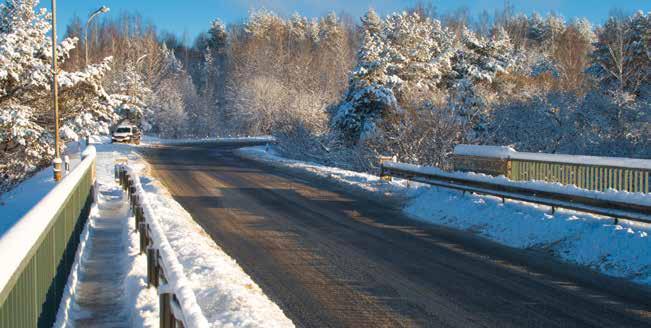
614 204
39 250
585 172
177 303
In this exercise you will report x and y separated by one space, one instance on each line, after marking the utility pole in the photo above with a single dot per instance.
55 96
101 10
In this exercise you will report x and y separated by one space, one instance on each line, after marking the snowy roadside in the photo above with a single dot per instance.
620 250
227 296
139 302
225 293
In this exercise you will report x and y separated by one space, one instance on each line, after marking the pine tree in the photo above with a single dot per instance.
408 54
536 28
372 23
298 28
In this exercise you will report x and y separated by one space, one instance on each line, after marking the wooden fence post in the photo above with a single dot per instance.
138 215
165 311
143 237
151 267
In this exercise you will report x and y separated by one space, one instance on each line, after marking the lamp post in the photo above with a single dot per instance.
55 96
101 10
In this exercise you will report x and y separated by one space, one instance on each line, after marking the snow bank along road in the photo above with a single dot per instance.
332 258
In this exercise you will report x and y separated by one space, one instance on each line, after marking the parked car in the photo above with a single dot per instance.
126 133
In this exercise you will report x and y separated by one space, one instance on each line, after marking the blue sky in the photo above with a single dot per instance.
190 17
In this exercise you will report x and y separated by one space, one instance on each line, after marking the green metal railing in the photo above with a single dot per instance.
592 177
31 295
585 172
590 203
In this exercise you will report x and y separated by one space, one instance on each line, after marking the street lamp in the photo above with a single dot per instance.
101 10
55 95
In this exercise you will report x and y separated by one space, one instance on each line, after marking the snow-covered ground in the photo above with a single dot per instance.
225 293
620 250
107 284
611 195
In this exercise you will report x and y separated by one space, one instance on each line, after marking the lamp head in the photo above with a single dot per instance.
104 9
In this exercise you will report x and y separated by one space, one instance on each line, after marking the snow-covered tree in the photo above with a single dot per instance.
554 27
372 23
298 28
585 29
536 28
408 54
26 145
418 51
25 77
620 61
481 59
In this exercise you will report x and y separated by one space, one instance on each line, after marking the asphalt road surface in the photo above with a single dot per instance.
335 258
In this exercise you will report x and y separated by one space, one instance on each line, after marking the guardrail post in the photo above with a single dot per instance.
143 237
165 310
157 268
132 191
383 174
152 267
138 215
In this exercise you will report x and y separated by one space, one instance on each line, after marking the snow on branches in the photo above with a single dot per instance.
25 78
25 144
407 54
621 61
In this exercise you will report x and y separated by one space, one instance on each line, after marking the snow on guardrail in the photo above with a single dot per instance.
612 195
177 283
503 152
17 242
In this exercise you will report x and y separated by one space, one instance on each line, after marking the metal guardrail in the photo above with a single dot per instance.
615 209
38 251
585 176
171 310
585 172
